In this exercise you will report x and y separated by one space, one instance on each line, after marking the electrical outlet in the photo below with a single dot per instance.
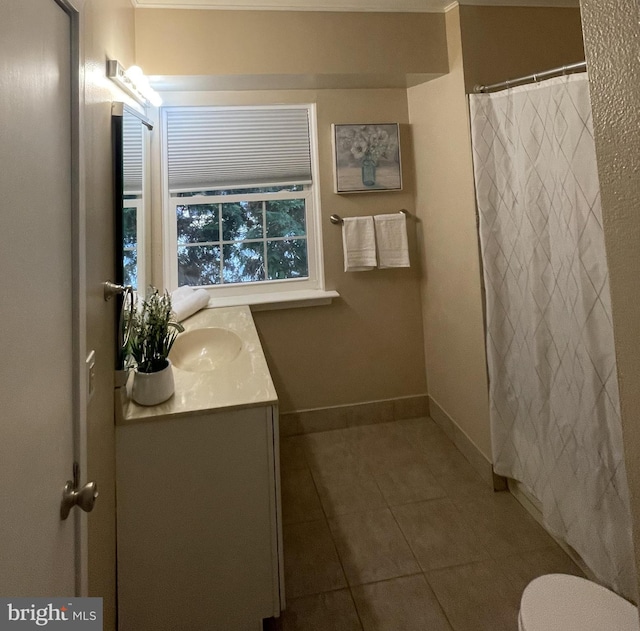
90 363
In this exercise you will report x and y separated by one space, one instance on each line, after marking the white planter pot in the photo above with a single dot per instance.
151 388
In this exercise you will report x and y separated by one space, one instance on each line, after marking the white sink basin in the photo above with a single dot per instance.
203 350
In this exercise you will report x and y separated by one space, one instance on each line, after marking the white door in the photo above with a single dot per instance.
38 389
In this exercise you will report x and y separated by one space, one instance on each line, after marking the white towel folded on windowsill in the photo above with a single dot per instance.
391 238
181 293
359 244
186 301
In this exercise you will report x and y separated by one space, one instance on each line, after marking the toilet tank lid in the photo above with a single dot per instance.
569 603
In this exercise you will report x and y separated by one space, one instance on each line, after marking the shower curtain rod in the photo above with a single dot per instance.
576 67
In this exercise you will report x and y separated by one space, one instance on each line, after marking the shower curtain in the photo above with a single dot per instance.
555 422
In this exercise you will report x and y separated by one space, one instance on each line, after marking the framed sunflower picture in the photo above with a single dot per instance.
366 158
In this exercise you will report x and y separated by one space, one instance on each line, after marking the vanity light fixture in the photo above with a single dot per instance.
134 82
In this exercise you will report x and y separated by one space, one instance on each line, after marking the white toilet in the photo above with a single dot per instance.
559 602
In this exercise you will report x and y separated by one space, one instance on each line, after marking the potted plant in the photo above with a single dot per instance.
153 332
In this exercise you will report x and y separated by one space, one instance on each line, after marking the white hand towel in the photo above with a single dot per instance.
187 304
391 237
182 292
359 244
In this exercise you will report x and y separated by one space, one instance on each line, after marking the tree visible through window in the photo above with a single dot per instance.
130 214
237 236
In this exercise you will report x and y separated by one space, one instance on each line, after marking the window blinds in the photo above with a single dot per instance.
236 147
132 148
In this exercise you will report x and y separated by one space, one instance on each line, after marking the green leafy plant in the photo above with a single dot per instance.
153 332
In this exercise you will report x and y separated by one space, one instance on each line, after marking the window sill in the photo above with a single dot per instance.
277 300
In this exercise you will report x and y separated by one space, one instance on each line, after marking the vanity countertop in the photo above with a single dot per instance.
242 383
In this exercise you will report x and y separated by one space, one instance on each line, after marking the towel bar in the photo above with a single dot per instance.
337 219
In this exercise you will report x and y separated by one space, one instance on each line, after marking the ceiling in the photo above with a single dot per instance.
409 6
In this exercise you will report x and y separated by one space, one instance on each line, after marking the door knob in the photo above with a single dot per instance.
84 497
113 289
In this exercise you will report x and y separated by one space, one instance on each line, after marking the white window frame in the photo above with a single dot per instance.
265 286
257 292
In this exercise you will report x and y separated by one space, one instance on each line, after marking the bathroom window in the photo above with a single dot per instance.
240 198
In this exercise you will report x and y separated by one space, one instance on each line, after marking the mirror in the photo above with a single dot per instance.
130 139
129 144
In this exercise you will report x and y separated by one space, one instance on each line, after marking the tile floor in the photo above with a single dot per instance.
387 527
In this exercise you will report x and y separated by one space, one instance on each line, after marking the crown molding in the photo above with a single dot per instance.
385 6
550 4
379 6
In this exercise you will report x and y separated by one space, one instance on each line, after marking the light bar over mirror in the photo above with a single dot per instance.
134 82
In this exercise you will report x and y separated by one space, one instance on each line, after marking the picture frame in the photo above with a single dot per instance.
366 157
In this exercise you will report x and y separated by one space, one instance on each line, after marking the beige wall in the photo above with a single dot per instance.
367 345
612 37
445 204
107 31
502 43
172 42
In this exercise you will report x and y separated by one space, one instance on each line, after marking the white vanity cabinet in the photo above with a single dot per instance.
198 527
199 530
